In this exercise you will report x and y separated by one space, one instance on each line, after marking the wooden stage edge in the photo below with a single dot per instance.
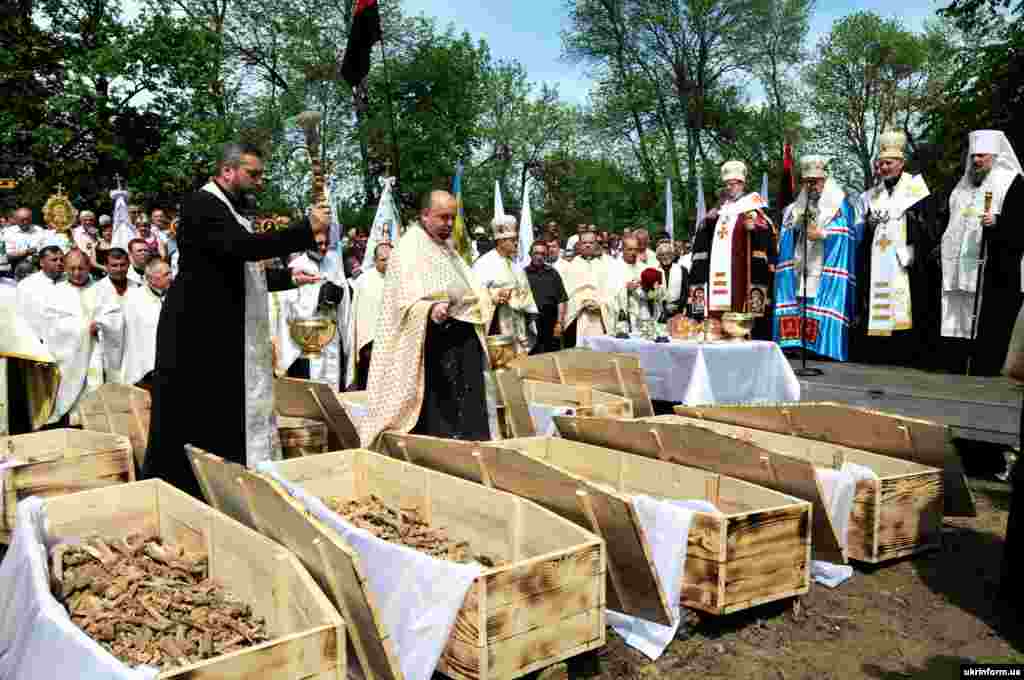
978 409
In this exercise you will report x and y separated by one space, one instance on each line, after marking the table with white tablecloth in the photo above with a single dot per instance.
708 373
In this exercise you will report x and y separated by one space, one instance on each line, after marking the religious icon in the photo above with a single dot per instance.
697 300
758 300
58 211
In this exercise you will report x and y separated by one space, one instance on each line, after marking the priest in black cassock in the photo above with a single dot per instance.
213 380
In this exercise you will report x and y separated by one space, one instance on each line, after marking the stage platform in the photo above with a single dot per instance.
978 409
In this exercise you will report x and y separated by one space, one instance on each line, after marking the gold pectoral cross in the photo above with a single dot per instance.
723 232
884 243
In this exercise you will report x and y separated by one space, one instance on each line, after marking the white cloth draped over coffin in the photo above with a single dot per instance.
262 441
301 302
496 272
141 316
367 294
67 315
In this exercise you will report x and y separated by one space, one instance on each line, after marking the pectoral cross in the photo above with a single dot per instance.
723 232
884 243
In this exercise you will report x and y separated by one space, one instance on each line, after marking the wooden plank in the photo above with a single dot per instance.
911 517
921 441
553 488
701 447
317 401
119 409
610 372
307 637
513 398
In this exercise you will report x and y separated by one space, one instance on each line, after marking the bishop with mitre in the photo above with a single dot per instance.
984 205
730 251
816 246
514 307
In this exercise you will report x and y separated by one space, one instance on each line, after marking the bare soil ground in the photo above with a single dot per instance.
919 617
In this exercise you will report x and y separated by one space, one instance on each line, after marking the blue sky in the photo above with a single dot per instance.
529 30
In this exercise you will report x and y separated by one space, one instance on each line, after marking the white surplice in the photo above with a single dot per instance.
590 281
301 302
633 301
141 315
362 324
29 298
67 315
103 293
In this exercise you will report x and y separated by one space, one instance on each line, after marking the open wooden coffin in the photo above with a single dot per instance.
896 515
609 372
313 400
57 462
118 409
920 441
307 634
757 551
543 605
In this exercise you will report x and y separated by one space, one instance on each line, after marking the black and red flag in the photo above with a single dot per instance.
365 32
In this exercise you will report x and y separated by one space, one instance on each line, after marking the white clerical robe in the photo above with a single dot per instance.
103 293
67 314
136 277
301 302
961 249
29 298
890 255
496 272
589 281
632 301
367 294
141 315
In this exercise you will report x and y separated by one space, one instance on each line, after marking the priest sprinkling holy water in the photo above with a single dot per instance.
430 351
730 252
816 246
213 381
981 255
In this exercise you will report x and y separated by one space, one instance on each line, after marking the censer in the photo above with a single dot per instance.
313 333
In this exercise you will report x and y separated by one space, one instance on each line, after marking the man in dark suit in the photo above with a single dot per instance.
213 380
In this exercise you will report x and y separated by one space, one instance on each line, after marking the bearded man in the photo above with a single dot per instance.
733 246
430 351
983 212
899 233
221 401
514 307
817 245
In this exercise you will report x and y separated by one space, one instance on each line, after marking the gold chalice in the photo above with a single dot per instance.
312 334
502 351
738 325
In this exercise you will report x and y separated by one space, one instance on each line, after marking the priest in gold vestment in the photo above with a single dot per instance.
430 352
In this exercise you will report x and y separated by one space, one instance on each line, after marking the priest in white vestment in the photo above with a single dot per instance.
624 281
141 309
366 304
508 286
329 294
111 289
33 291
72 327
591 309
985 204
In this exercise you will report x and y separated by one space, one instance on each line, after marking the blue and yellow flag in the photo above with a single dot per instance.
459 236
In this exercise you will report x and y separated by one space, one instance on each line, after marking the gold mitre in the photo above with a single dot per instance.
58 211
891 144
813 167
503 226
734 170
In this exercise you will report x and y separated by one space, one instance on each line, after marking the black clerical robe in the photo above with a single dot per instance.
199 392
749 258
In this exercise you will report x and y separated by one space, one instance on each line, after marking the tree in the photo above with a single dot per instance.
870 74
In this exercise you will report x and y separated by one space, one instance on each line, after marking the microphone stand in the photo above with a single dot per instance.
804 371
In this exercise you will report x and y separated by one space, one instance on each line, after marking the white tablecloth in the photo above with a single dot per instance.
708 373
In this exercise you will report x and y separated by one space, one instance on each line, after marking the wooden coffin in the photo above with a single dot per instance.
298 398
544 605
584 400
308 635
301 436
756 551
609 372
920 441
118 409
899 514
55 462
